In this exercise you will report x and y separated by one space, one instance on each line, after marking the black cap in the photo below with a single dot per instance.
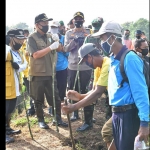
138 32
42 17
80 14
17 33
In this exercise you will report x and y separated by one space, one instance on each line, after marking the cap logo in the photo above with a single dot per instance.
78 13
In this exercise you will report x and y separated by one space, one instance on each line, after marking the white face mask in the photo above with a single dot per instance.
54 30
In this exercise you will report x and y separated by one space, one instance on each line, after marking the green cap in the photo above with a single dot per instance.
97 23
61 23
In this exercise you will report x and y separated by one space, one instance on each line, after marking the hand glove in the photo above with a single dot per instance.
15 65
54 46
55 37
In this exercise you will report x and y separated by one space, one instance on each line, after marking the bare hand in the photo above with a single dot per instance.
143 133
73 95
59 49
66 109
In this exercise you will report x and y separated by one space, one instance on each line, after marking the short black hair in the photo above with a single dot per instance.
138 42
89 26
127 30
26 31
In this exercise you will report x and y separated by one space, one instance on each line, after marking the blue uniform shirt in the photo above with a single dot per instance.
62 58
134 92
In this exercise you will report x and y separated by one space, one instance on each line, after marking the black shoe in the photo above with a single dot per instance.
84 127
10 131
31 112
60 123
74 118
43 125
94 120
9 139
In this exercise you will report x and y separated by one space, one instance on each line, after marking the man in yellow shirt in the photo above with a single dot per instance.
92 57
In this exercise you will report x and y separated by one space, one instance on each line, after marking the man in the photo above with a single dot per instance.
126 40
42 70
138 35
130 103
62 63
15 63
62 28
74 39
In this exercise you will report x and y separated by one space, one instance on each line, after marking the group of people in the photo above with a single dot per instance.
80 64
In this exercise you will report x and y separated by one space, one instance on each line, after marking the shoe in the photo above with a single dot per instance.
31 112
60 123
43 125
10 131
74 118
94 120
84 127
9 139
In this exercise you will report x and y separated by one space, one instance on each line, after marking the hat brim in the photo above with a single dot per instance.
97 34
53 25
47 19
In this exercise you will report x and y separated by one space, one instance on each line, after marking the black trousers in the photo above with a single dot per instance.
26 82
37 90
61 77
10 105
84 80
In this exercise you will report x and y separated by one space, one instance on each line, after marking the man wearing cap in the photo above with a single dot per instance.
130 102
42 58
61 27
62 63
15 63
74 39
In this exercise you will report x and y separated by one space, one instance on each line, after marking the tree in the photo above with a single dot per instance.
141 24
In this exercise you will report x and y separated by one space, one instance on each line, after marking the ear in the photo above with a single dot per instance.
138 49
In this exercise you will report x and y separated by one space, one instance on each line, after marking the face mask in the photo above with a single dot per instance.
107 47
126 35
144 52
17 46
90 65
138 37
45 28
78 24
54 30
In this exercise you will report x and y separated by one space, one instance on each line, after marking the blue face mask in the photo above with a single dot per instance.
90 65
107 47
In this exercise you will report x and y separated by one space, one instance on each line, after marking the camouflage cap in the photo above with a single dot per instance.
96 23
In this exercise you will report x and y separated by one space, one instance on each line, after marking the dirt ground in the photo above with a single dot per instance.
50 139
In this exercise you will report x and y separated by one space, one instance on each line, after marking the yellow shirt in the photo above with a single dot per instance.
101 74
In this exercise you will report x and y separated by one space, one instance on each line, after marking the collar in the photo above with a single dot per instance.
123 49
40 35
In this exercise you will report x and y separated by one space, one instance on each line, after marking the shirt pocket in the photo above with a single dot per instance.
40 65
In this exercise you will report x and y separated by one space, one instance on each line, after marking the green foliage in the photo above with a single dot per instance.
141 24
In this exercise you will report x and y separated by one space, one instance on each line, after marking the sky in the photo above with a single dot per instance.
119 10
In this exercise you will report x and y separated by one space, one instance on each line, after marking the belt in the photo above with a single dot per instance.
123 108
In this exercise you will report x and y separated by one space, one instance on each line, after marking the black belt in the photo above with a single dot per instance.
123 108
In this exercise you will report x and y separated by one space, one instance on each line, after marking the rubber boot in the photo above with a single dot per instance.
40 116
31 110
75 116
8 139
10 131
88 118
